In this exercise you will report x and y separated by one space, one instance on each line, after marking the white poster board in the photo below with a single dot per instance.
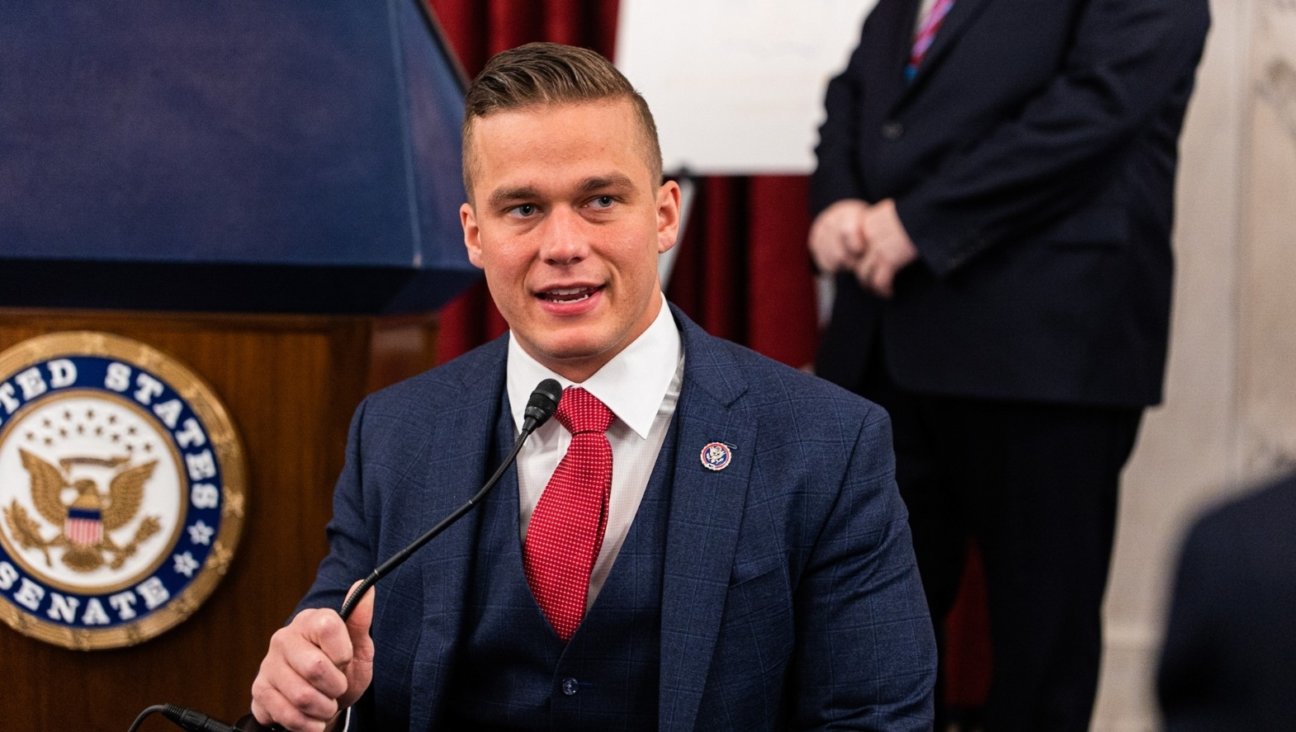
737 86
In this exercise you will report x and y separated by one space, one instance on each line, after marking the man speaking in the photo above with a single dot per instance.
701 539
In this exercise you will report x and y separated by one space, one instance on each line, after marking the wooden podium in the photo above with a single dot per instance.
267 195
290 384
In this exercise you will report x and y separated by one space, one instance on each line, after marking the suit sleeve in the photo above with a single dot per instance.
865 655
351 554
1128 57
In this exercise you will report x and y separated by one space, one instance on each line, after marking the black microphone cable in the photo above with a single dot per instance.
540 407
186 719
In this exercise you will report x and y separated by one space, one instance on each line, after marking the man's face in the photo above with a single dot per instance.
567 222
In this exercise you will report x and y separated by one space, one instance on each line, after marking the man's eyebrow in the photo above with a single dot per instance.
501 196
598 183
514 194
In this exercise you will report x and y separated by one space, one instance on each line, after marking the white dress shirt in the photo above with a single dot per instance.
641 386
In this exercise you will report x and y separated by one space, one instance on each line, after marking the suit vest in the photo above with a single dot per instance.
514 673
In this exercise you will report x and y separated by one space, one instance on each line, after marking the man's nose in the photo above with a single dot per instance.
564 237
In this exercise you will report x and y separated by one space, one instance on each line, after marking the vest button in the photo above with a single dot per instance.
570 686
892 131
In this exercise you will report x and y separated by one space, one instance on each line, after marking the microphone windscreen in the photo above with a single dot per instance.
543 403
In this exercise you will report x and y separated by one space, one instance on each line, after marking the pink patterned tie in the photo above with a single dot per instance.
566 530
926 34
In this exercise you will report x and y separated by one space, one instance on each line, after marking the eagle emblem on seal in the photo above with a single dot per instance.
84 515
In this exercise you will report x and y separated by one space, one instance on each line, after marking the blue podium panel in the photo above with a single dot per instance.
243 155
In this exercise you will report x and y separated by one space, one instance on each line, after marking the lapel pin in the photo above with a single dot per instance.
716 456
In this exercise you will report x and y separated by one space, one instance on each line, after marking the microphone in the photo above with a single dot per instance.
540 407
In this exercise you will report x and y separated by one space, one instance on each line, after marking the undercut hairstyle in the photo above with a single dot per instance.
551 73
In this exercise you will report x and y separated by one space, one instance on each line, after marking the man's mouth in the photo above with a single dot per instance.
568 294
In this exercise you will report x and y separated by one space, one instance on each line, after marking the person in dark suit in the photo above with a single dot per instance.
1227 659
994 194
756 570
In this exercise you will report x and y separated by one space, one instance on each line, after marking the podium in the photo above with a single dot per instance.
266 193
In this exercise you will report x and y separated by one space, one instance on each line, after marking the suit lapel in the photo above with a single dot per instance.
902 17
963 13
706 508
464 434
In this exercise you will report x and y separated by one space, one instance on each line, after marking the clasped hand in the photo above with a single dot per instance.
869 240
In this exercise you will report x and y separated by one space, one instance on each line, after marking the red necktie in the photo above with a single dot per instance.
567 527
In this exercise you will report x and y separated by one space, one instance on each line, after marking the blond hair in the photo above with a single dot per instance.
550 73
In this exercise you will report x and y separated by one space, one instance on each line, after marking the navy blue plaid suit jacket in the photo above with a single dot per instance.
790 599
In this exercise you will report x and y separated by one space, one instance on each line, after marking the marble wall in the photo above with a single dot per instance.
1267 263
1229 418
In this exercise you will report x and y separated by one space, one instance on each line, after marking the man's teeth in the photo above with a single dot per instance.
571 295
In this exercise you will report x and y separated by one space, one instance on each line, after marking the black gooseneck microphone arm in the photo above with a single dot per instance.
540 407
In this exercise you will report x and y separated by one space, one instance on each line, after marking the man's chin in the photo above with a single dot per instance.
574 356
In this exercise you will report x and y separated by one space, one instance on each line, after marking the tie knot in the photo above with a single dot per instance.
580 411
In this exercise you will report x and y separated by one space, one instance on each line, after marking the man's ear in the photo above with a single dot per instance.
668 215
472 234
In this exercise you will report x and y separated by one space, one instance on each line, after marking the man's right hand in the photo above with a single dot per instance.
837 235
316 667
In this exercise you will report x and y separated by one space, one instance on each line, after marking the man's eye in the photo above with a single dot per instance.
603 202
523 210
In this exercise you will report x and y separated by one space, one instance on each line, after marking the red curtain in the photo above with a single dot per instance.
742 271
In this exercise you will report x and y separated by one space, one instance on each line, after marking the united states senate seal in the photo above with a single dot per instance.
121 490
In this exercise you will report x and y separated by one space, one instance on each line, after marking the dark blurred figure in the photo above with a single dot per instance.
995 192
1229 660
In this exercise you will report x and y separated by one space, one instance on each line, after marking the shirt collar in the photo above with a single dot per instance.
632 384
